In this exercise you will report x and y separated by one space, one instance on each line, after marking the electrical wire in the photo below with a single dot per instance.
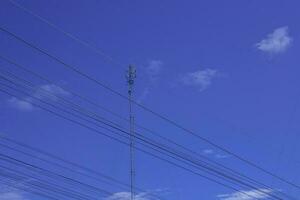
109 179
108 88
184 156
68 34
146 129
40 183
53 175
221 174
35 181
36 193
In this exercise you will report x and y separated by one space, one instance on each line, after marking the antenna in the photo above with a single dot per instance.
131 75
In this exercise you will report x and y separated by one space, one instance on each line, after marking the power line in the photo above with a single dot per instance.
93 103
143 139
162 137
76 70
68 34
101 53
54 175
55 164
120 141
36 193
48 92
49 187
148 130
98 174
75 94
57 189
197 163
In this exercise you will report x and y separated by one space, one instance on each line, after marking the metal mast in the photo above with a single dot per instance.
131 75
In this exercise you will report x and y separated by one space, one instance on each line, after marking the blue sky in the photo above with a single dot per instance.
228 70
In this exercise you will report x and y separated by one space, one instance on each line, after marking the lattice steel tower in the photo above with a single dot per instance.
131 75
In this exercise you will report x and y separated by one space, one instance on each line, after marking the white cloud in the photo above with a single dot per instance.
276 42
153 68
12 196
221 156
46 92
247 195
23 105
212 153
201 78
144 94
50 91
208 151
127 195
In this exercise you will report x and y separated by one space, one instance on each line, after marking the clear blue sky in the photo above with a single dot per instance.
227 69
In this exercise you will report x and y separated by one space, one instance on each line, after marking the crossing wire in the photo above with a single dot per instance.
55 187
73 37
40 183
221 174
108 88
142 150
34 192
185 155
54 175
142 127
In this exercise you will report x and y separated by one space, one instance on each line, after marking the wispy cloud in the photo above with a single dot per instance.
46 92
221 156
212 153
153 70
208 151
201 79
127 195
147 195
54 89
12 196
7 193
50 91
276 42
12 193
247 195
144 94
21 104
